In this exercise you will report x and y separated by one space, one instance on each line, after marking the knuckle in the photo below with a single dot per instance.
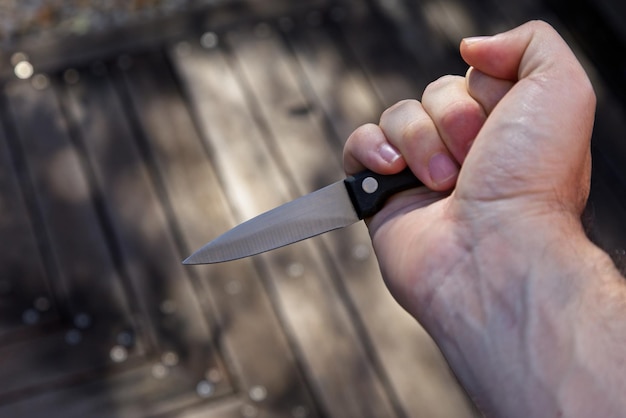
416 129
398 108
441 83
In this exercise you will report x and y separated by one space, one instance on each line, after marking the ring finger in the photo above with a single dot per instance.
410 129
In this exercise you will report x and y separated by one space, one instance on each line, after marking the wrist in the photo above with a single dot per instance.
510 316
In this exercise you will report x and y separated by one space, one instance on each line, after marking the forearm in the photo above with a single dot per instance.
529 337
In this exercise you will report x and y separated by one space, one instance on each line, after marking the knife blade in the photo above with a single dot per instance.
332 207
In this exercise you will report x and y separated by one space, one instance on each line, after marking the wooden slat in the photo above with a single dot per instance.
315 315
170 312
404 343
53 360
257 348
53 50
126 394
23 283
351 251
86 283
229 408
64 198
295 125
338 84
384 59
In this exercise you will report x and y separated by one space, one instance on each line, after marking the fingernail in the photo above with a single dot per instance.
475 39
388 153
442 168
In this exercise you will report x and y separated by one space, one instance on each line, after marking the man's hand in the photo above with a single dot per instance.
493 259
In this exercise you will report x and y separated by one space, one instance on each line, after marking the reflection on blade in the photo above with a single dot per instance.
321 211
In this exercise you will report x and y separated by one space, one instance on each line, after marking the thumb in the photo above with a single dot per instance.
518 53
537 137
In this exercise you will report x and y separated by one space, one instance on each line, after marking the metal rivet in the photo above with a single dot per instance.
73 337
40 82
82 321
71 76
118 353
30 316
205 388
169 358
295 270
23 70
299 411
209 40
257 393
159 371
214 375
369 185
125 338
42 304
168 307
249 411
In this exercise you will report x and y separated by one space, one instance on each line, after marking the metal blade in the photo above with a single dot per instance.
321 211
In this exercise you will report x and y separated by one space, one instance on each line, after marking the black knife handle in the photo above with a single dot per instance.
369 191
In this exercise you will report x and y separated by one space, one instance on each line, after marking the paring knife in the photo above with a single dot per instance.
332 207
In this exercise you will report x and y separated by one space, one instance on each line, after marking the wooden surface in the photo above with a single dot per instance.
114 170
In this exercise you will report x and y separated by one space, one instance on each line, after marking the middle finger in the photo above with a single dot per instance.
457 115
409 128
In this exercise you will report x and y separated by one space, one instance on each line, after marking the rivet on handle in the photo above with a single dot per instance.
369 185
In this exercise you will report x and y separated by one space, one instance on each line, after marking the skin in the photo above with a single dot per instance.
492 258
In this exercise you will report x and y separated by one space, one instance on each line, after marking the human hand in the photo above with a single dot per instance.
518 125
495 246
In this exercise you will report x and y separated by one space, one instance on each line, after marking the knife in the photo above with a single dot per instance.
332 207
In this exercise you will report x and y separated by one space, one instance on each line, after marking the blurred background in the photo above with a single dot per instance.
132 132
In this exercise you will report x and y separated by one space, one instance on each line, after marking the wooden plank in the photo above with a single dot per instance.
170 312
338 84
315 315
25 297
54 360
228 408
54 52
64 198
85 281
134 392
257 348
397 73
299 138
437 393
354 258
